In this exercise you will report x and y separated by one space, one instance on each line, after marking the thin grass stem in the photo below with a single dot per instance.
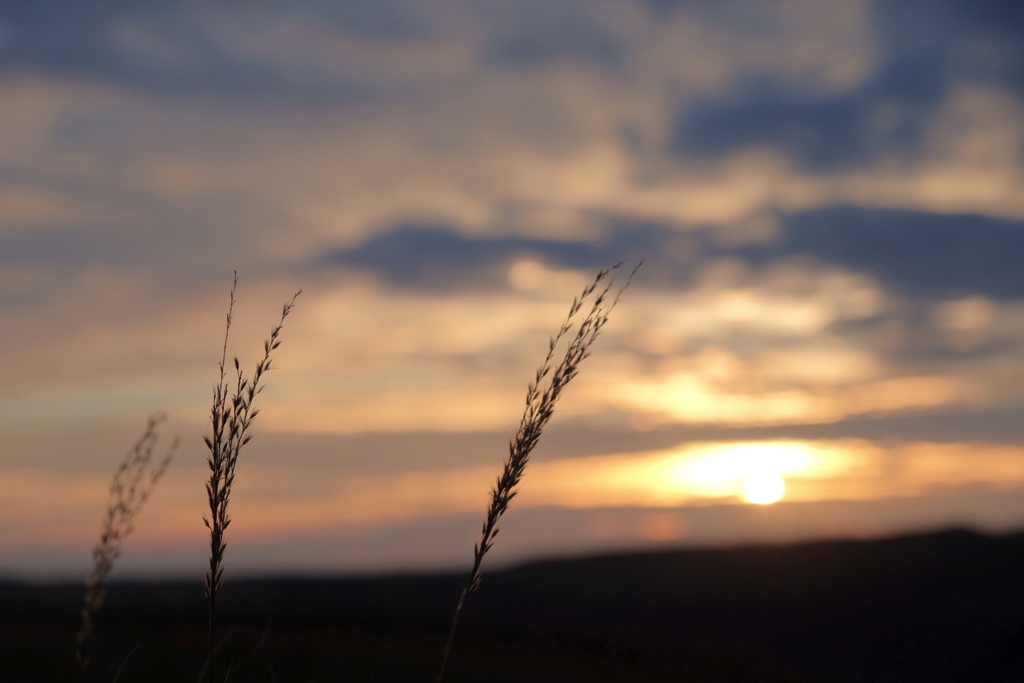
231 416
130 487
541 395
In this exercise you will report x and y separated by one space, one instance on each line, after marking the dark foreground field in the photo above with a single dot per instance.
941 607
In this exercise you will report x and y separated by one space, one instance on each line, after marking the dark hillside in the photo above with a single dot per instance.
939 607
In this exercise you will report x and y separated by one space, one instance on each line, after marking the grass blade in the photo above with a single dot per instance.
541 396
232 416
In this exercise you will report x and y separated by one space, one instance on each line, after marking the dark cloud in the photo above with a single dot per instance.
666 7
984 38
368 19
820 132
885 115
539 40
918 254
181 55
178 55
927 48
998 54
440 256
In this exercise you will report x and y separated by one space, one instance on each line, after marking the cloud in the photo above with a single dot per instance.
912 253
540 35
560 151
886 116
927 51
819 132
425 255
442 256
980 40
161 48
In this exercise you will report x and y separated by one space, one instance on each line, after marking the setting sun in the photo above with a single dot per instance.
763 488
752 471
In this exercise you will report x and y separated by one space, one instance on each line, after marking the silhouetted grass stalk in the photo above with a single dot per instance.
540 406
232 418
130 487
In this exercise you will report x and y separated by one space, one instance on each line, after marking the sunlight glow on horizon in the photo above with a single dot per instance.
764 488
750 471
277 499
652 496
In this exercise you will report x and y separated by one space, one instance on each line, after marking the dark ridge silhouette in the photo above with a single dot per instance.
937 607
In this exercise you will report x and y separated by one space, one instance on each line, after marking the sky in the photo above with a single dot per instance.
827 195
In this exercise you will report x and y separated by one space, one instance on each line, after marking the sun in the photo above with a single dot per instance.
751 472
763 488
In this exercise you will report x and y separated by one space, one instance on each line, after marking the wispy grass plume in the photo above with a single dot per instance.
130 487
232 417
541 396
